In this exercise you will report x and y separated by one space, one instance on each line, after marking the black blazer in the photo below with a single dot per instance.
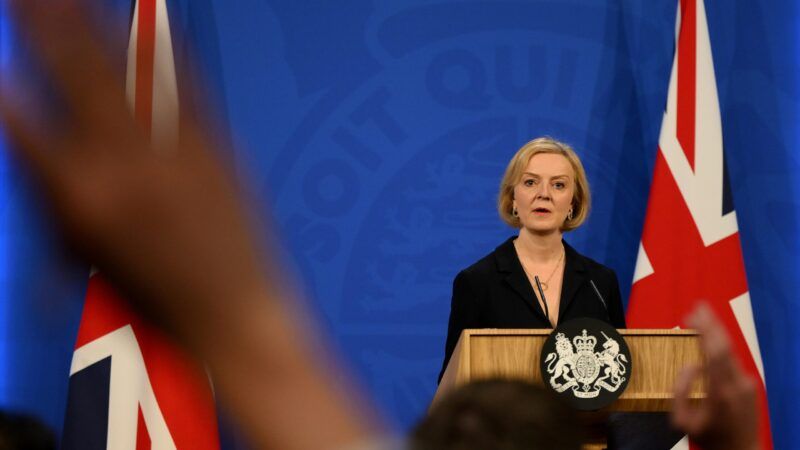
495 293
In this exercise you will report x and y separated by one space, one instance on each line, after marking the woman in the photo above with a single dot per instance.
543 193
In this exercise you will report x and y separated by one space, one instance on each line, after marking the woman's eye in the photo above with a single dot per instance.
528 182
559 185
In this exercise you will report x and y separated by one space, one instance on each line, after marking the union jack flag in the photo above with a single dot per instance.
130 386
690 248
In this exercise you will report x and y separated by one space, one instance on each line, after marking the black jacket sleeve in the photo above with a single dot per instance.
464 313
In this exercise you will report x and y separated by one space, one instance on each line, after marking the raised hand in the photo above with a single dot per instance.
727 418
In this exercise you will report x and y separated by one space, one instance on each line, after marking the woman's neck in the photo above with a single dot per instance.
540 248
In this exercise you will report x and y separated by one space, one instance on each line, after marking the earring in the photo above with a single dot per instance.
514 212
569 214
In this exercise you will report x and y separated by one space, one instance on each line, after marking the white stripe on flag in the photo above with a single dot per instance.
643 265
683 444
129 387
165 84
743 311
164 117
130 72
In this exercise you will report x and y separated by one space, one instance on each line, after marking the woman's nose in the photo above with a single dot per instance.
544 191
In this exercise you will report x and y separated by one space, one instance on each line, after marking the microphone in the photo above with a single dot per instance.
541 295
605 306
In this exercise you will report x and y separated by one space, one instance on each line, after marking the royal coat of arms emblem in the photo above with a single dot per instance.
577 368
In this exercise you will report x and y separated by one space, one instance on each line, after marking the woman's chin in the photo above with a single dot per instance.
543 229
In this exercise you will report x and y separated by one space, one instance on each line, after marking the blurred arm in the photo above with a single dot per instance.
170 229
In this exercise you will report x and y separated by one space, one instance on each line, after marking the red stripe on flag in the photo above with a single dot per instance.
145 49
183 391
142 436
102 312
687 79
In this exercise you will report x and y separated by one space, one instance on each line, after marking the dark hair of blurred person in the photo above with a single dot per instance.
499 415
19 431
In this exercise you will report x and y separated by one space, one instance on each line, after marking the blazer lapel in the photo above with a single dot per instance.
508 263
574 277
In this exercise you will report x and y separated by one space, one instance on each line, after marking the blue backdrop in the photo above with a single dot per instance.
376 134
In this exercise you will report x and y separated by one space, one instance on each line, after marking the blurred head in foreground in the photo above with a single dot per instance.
24 432
498 415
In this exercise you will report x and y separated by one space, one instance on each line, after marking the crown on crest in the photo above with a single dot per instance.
584 343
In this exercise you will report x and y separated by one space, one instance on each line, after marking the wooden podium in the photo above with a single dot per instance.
658 357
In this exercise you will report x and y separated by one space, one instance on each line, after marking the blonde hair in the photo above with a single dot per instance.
581 198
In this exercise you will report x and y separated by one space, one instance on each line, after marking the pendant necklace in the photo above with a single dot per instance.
545 283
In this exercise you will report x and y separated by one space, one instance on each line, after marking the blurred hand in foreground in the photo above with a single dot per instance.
167 225
169 228
728 417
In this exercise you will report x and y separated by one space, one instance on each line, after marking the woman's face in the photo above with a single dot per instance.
543 196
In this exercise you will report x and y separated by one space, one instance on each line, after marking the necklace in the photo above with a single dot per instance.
545 283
